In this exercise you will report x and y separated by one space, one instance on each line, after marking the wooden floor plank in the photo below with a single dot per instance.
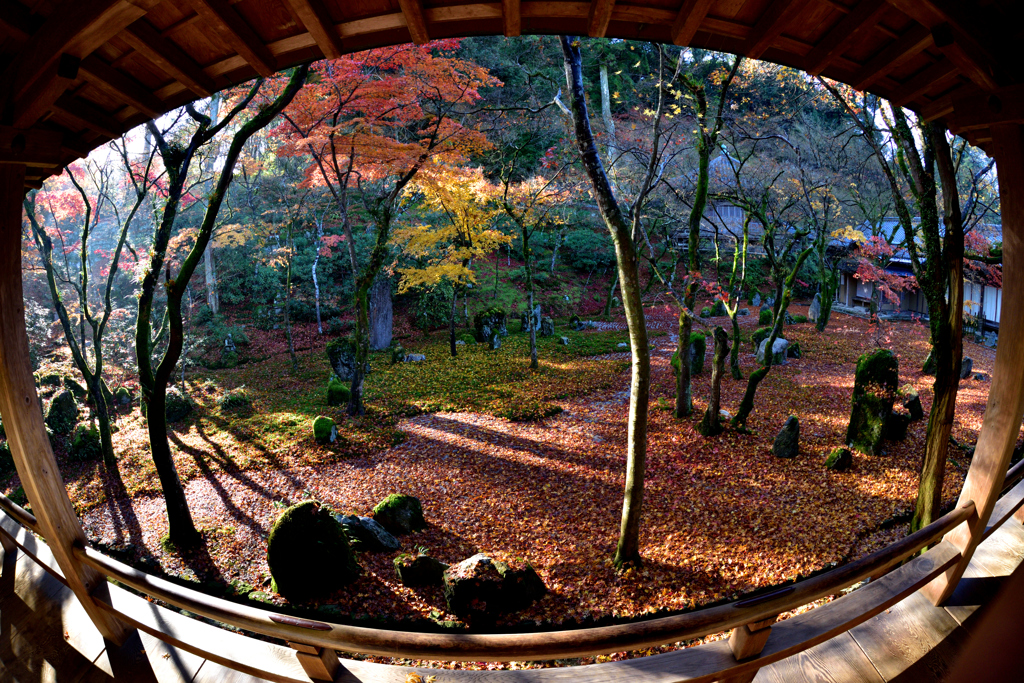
904 641
993 562
834 661
170 664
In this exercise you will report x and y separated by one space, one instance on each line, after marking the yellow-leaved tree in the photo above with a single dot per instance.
464 228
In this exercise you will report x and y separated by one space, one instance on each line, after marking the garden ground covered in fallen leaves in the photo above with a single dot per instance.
721 516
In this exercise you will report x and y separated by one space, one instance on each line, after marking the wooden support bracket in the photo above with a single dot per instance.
747 641
320 664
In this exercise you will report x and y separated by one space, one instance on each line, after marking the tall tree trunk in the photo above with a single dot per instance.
212 296
628 549
316 283
288 302
734 356
830 286
381 314
528 261
711 424
609 122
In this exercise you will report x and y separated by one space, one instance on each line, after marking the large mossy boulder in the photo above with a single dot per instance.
528 320
123 396
480 589
400 514
86 444
308 553
547 327
62 414
419 570
874 392
177 405
76 388
759 335
341 353
324 430
718 309
489 323
338 392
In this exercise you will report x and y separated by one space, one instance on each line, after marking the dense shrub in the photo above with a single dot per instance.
433 307
764 318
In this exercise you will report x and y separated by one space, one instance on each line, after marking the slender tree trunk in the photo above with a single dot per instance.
451 321
830 286
316 286
734 356
609 122
212 296
288 303
528 262
711 424
739 421
628 549
611 294
684 398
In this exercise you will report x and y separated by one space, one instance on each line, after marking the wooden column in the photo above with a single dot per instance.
1005 406
23 421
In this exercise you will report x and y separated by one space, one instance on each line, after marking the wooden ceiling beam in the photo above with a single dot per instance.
412 10
87 115
37 148
978 67
511 18
17 21
237 33
770 26
116 84
912 43
1006 105
690 16
599 17
76 28
168 57
924 81
314 16
863 17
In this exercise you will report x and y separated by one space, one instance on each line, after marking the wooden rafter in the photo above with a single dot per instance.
16 20
691 14
238 34
975 113
600 16
770 26
863 17
412 10
511 18
88 115
962 52
925 80
314 16
168 57
117 84
911 43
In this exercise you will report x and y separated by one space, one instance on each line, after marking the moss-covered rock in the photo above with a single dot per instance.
123 396
759 335
787 443
874 391
419 570
177 405
366 534
718 309
338 392
839 460
396 355
480 589
342 356
235 401
51 379
490 322
85 444
62 414
75 388
764 317
400 514
547 327
324 430
896 425
705 312
912 402
308 554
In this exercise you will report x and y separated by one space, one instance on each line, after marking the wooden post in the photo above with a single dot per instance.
320 664
23 421
1005 407
747 641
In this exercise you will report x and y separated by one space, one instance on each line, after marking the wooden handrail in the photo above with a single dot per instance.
1013 475
23 516
526 646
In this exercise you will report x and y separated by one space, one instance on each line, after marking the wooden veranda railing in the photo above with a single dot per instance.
756 640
